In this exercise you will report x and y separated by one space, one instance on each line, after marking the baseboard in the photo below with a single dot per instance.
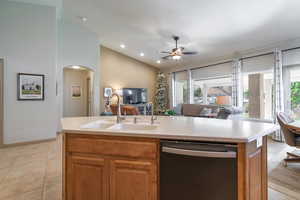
26 143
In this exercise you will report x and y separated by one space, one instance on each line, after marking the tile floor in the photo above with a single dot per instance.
33 172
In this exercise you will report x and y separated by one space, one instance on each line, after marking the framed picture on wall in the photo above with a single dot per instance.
31 87
76 91
107 92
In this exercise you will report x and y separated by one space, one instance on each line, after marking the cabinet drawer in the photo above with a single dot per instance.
112 146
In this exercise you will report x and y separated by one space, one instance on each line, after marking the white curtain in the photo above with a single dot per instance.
237 96
278 92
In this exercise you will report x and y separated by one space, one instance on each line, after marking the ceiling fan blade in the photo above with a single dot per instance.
166 57
165 52
190 53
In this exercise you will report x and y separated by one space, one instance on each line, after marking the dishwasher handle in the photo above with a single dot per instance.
196 153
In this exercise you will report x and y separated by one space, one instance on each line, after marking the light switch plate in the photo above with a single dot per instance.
259 142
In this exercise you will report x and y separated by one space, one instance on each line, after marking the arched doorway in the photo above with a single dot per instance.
77 91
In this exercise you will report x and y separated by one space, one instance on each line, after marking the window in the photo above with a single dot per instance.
291 82
213 84
258 84
180 88
213 91
291 88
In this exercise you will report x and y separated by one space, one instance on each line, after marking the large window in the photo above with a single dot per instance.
291 87
258 85
213 91
291 82
180 89
253 87
212 85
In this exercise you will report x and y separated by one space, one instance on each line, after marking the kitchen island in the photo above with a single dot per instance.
105 160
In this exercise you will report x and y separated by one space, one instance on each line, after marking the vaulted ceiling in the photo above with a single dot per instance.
214 28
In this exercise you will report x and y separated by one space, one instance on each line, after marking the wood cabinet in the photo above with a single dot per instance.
87 178
133 180
110 168
127 168
252 171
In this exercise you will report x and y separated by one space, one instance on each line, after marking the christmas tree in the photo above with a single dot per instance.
161 94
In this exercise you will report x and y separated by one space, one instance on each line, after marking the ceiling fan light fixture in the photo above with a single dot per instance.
177 52
176 57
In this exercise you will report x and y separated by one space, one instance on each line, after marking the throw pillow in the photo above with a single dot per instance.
205 111
215 110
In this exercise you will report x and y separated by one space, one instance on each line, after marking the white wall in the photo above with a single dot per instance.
28 44
78 46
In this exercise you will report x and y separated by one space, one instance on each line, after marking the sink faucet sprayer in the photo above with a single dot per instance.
119 114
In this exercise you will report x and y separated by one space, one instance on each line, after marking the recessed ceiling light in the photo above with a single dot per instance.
158 62
84 19
142 54
122 46
76 67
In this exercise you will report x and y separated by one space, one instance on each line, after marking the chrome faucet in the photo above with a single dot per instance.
119 114
152 113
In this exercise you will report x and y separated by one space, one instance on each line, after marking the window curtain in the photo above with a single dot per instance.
278 92
237 83
170 78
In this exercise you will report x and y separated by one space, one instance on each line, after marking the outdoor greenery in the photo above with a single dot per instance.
170 112
295 94
246 94
198 92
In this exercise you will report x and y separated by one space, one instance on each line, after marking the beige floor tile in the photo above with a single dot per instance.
53 193
31 195
33 172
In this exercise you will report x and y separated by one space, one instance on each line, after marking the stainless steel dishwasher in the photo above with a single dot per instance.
198 171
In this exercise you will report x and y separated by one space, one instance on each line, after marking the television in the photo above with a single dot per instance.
135 95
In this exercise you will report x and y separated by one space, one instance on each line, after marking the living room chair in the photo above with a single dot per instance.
291 136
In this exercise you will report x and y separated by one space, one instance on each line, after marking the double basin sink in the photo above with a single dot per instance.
126 126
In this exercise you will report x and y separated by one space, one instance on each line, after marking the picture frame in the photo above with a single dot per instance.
76 91
30 87
108 92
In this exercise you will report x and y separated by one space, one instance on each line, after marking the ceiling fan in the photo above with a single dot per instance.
177 52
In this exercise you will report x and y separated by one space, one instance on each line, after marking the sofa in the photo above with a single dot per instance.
203 110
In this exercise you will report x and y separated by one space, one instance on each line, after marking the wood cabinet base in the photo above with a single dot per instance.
110 168
125 168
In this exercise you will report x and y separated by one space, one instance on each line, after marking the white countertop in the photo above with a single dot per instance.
177 128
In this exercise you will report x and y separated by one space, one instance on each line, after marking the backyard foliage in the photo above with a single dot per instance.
295 94
198 92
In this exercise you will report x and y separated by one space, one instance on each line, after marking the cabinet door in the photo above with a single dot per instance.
87 178
133 180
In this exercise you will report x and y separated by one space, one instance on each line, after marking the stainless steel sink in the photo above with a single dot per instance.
133 127
97 125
